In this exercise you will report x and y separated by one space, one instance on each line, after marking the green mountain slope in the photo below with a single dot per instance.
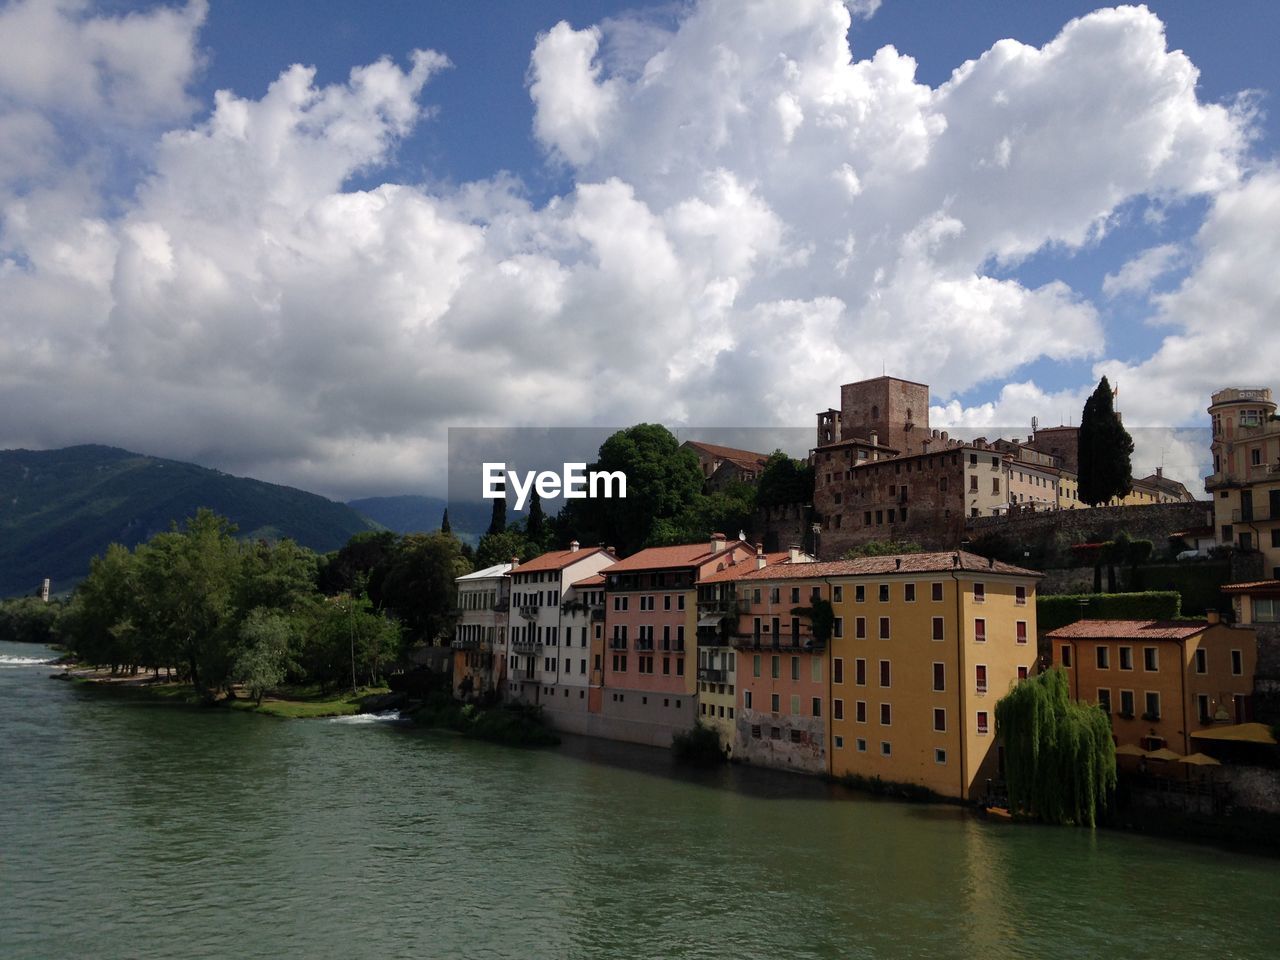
412 513
59 508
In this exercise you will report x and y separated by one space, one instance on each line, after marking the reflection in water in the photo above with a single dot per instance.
134 830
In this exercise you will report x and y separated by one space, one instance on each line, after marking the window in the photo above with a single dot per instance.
973 484
980 677
939 720
982 723
859 593
839 742
775 703
860 672
1126 703
837 670
885 748
980 630
837 709
939 755
775 733
860 745
884 593
860 628
775 666
1126 658
775 594
1104 698
860 711
755 665
1202 660
795 668
937 628
1065 655
1237 663
1104 657
1020 596
795 705
746 699
1150 659
817 706
909 593
979 593
1022 673
837 594
939 677
884 673
1152 711
937 592
886 715
755 732
884 628
815 669
1020 631
795 594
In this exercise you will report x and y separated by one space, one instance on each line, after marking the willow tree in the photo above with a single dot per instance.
1060 760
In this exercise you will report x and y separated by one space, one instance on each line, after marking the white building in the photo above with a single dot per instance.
480 636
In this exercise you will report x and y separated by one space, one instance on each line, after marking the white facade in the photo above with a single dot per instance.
480 635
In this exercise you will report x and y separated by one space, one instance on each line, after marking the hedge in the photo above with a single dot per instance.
1061 609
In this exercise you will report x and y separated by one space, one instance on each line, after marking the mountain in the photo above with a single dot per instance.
417 514
59 508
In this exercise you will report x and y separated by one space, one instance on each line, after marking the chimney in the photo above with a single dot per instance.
955 560
515 562
1159 471
759 556
875 438
991 563
793 553
1213 616
573 546
717 542
897 563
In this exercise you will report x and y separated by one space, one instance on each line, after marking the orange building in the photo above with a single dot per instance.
650 640
1161 681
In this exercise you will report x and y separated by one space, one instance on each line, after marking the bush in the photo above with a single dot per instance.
890 788
699 746
1055 611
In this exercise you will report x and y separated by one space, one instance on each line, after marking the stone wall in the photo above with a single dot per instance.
780 526
1048 532
1266 677
806 753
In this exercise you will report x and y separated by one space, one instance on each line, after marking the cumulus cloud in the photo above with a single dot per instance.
756 216
1137 276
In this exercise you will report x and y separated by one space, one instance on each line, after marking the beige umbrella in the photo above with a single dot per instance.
1200 760
1129 750
1164 753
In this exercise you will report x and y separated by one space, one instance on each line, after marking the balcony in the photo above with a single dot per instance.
713 675
617 643
784 643
676 648
526 646
1258 513
645 645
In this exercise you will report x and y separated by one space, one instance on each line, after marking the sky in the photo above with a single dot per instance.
300 240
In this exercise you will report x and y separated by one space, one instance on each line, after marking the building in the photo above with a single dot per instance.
480 635
1245 483
921 646
1061 443
548 659
884 409
722 466
717 633
1161 681
650 687
1171 491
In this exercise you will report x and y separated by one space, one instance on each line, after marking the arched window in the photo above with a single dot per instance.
875 412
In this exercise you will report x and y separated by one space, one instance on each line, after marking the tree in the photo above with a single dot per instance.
262 664
498 519
1104 450
1060 760
418 586
496 548
821 616
444 522
882 548
785 480
536 524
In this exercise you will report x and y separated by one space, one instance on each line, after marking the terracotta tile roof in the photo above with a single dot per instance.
1129 630
681 555
1255 586
596 581
748 565
557 559
878 566
741 457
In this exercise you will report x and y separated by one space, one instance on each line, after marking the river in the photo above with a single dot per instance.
137 830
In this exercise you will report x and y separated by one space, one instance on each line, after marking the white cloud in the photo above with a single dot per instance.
1138 275
756 217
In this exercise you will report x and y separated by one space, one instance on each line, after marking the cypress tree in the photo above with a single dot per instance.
444 522
1104 450
1060 760
498 520
536 525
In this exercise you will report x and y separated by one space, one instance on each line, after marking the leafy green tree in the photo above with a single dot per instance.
102 603
496 548
1060 760
1105 449
266 636
821 616
785 480
419 584
366 555
882 548
29 620
662 481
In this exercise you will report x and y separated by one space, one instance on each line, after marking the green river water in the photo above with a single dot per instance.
137 830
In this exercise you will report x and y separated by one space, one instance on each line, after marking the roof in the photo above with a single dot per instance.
1129 630
593 581
488 573
1166 483
944 562
681 555
557 559
728 453
855 442
1255 586
735 571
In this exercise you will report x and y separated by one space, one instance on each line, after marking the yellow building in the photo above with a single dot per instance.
921 648
1245 483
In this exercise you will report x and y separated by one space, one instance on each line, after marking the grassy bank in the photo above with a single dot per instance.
513 725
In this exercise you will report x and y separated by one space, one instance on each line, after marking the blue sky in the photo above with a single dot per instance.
310 287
